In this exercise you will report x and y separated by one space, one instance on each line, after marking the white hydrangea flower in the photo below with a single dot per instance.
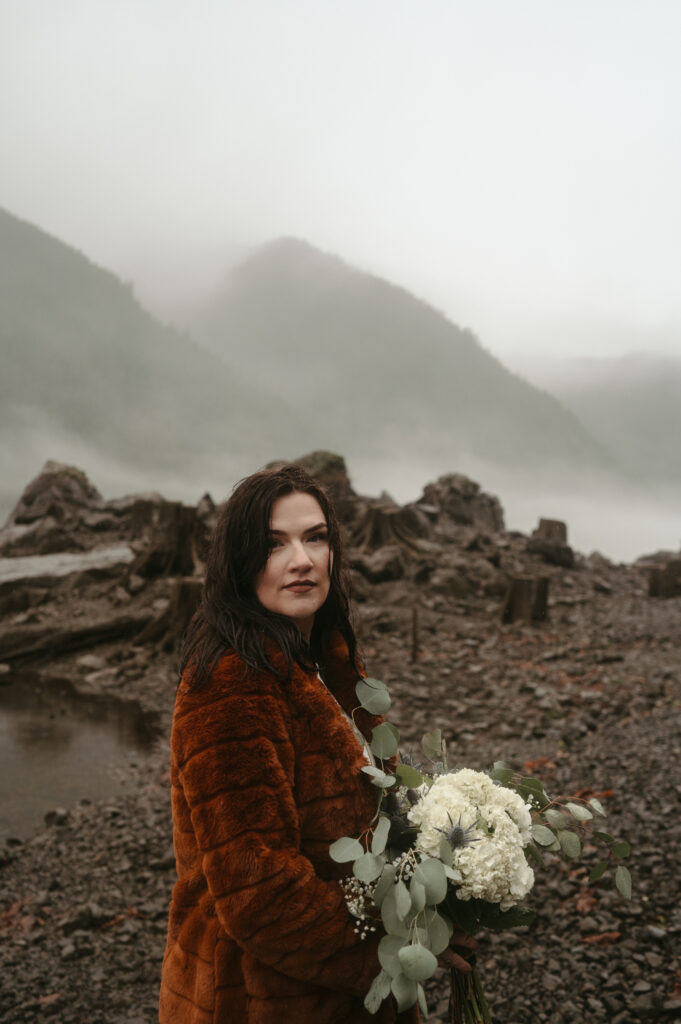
493 866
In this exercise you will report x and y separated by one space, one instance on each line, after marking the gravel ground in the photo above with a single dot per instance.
591 700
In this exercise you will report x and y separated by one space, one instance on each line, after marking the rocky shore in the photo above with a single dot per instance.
582 689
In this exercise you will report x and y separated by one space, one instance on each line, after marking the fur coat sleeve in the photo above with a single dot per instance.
265 776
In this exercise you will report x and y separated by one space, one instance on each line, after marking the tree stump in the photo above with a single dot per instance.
527 599
170 626
553 530
171 548
549 541
381 525
665 580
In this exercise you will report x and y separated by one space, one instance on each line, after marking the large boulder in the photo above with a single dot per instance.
459 499
330 471
50 514
59 491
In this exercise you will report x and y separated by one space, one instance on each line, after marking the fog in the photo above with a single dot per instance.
516 166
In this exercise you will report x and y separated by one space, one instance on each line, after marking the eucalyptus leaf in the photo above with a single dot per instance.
501 773
597 806
578 812
373 696
533 853
385 883
405 991
542 835
622 881
384 741
603 836
621 849
446 852
418 894
555 818
402 900
378 777
569 843
597 871
421 999
431 744
378 991
417 962
431 874
367 868
388 948
408 776
380 836
452 873
345 849
391 922
532 789
439 933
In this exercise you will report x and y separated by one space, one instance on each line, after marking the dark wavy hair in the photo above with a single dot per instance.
230 615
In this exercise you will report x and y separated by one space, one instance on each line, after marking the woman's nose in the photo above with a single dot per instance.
300 558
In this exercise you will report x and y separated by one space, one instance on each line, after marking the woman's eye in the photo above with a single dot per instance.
316 538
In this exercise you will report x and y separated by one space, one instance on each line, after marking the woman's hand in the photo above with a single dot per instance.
449 958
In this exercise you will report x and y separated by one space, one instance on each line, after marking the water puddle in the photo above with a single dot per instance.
58 746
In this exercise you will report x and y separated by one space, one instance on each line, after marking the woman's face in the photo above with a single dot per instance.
295 579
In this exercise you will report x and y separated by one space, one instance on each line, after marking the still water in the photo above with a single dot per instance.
57 746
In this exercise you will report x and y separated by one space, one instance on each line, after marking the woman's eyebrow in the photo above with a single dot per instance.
310 529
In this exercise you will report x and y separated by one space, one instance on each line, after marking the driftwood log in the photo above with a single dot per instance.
527 599
28 643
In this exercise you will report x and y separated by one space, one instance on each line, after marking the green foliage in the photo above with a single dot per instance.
432 745
569 843
597 872
367 868
542 835
373 696
379 990
579 812
384 740
431 874
623 881
345 849
408 776
378 777
403 900
380 836
417 962
405 991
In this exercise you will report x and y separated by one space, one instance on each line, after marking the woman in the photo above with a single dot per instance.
266 774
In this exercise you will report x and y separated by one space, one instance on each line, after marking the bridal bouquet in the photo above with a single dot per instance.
452 849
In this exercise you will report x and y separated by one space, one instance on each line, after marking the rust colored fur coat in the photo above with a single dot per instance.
265 775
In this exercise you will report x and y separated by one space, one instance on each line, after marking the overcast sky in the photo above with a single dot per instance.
515 162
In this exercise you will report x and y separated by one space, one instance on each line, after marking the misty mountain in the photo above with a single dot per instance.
376 369
631 403
83 363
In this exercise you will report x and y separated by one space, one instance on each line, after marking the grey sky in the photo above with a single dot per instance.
515 163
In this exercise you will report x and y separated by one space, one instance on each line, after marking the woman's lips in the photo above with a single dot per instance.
300 586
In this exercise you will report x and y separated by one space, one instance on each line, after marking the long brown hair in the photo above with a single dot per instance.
230 615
